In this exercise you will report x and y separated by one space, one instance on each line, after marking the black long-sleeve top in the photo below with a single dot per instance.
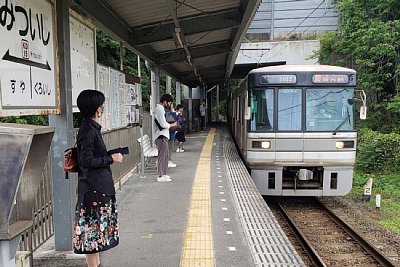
94 162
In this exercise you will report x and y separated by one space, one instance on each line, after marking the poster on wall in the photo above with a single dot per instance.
114 98
83 57
103 83
132 108
122 101
122 95
28 65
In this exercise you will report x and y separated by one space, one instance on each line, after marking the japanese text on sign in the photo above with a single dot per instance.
27 55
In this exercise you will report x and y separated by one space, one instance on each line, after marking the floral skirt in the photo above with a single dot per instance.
95 223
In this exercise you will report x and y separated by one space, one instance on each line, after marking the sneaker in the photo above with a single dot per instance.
178 150
182 150
163 179
171 164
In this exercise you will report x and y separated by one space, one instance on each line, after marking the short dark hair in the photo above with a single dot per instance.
179 106
166 97
89 101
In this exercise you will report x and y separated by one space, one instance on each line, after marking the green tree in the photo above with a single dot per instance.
108 53
368 40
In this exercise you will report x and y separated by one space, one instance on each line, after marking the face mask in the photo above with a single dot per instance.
100 113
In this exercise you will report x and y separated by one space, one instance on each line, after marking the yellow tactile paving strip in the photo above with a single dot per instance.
198 247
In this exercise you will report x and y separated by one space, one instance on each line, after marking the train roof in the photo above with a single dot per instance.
301 68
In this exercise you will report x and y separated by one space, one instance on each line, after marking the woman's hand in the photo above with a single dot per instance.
117 157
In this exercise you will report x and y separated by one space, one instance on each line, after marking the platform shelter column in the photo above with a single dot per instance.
63 190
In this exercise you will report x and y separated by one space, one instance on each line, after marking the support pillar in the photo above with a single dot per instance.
64 196
218 103
168 85
190 109
178 93
155 94
139 66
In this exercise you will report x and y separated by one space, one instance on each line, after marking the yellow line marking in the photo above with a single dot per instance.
198 249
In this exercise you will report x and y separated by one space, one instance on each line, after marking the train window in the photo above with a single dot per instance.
329 109
262 110
289 109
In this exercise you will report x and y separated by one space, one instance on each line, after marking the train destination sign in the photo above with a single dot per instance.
278 79
27 58
330 78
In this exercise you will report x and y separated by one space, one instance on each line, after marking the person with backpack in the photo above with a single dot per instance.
162 137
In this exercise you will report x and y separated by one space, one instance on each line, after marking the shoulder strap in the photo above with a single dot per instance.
158 124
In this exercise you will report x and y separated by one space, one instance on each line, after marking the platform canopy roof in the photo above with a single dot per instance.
195 41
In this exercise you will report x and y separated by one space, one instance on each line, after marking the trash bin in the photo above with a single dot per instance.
23 153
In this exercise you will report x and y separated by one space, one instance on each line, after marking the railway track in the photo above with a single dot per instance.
324 237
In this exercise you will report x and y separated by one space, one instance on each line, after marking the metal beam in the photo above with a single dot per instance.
196 52
205 71
250 9
109 22
191 25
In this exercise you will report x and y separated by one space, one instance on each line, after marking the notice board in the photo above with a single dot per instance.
83 56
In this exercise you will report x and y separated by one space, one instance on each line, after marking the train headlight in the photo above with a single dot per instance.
339 144
261 144
266 144
344 144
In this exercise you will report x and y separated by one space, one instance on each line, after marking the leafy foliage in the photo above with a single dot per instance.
34 120
108 53
378 153
368 40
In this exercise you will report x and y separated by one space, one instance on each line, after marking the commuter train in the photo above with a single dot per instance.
294 128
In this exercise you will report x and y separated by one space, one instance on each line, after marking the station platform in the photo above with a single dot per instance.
210 214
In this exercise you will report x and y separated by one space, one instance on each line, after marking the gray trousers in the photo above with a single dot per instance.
163 156
170 148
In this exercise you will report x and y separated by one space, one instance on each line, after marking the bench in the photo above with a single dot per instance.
149 152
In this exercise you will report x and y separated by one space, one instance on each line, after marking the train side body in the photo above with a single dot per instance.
295 129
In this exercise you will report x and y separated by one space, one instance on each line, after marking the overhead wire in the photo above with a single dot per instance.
326 10
288 34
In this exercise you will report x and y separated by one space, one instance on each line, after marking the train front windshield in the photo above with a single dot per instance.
326 109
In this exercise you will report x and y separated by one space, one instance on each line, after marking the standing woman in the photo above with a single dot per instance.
96 218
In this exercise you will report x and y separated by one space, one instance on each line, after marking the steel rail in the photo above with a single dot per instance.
367 246
311 252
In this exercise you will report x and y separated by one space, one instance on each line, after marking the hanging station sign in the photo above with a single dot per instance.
28 64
